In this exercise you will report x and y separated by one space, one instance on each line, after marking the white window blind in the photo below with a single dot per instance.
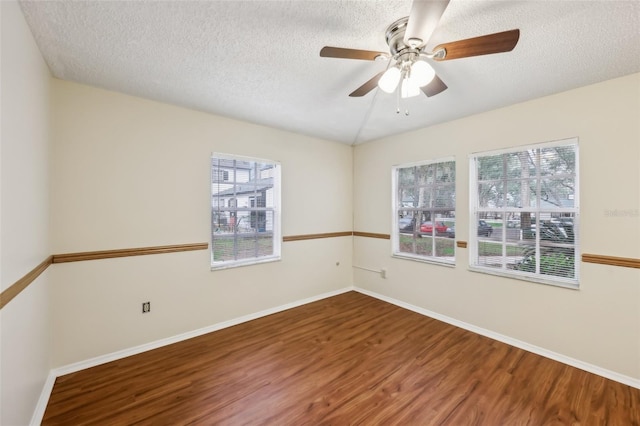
525 212
245 211
424 199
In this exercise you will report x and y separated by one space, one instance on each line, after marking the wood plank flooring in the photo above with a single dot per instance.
346 360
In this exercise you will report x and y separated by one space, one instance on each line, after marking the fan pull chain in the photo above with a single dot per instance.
406 111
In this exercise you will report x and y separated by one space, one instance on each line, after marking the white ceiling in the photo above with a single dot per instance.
258 61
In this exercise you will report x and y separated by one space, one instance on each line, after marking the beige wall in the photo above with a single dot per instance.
127 172
600 323
133 173
24 211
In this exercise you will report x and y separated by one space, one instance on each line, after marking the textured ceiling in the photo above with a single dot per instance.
258 61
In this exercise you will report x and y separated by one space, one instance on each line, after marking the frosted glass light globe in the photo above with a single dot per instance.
389 80
422 73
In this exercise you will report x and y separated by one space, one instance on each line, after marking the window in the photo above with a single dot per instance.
424 213
525 212
245 211
219 175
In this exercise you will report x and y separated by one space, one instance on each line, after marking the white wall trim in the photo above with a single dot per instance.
92 362
627 380
102 359
41 406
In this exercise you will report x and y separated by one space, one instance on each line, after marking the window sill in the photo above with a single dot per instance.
569 284
431 260
247 262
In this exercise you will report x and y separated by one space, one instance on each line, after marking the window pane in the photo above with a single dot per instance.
557 193
557 261
513 166
407 176
566 222
523 258
222 248
425 197
446 172
528 226
407 243
445 196
407 198
426 174
491 195
407 224
558 160
424 245
513 229
522 193
490 167
489 254
444 235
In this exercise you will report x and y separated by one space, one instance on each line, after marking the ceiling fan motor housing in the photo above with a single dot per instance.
395 39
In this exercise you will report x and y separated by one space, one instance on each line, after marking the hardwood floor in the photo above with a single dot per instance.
349 359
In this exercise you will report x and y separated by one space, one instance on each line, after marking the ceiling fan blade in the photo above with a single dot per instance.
423 20
367 87
483 45
436 86
340 52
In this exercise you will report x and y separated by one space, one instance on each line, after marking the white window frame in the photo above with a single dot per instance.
276 209
572 283
395 232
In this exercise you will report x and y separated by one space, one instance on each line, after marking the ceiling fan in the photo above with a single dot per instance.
407 39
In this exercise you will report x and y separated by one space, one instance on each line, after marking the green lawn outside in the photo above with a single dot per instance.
227 247
495 249
445 247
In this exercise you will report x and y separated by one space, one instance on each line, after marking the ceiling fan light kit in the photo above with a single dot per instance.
413 76
407 38
409 89
410 71
422 73
389 80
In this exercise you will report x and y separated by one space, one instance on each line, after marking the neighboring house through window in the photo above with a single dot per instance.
245 215
525 212
424 212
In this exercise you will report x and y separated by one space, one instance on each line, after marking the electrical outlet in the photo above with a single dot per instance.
383 273
146 307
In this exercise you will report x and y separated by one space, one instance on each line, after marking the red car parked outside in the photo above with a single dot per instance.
427 228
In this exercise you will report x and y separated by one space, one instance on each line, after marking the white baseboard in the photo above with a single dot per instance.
92 362
629 381
41 406
102 359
